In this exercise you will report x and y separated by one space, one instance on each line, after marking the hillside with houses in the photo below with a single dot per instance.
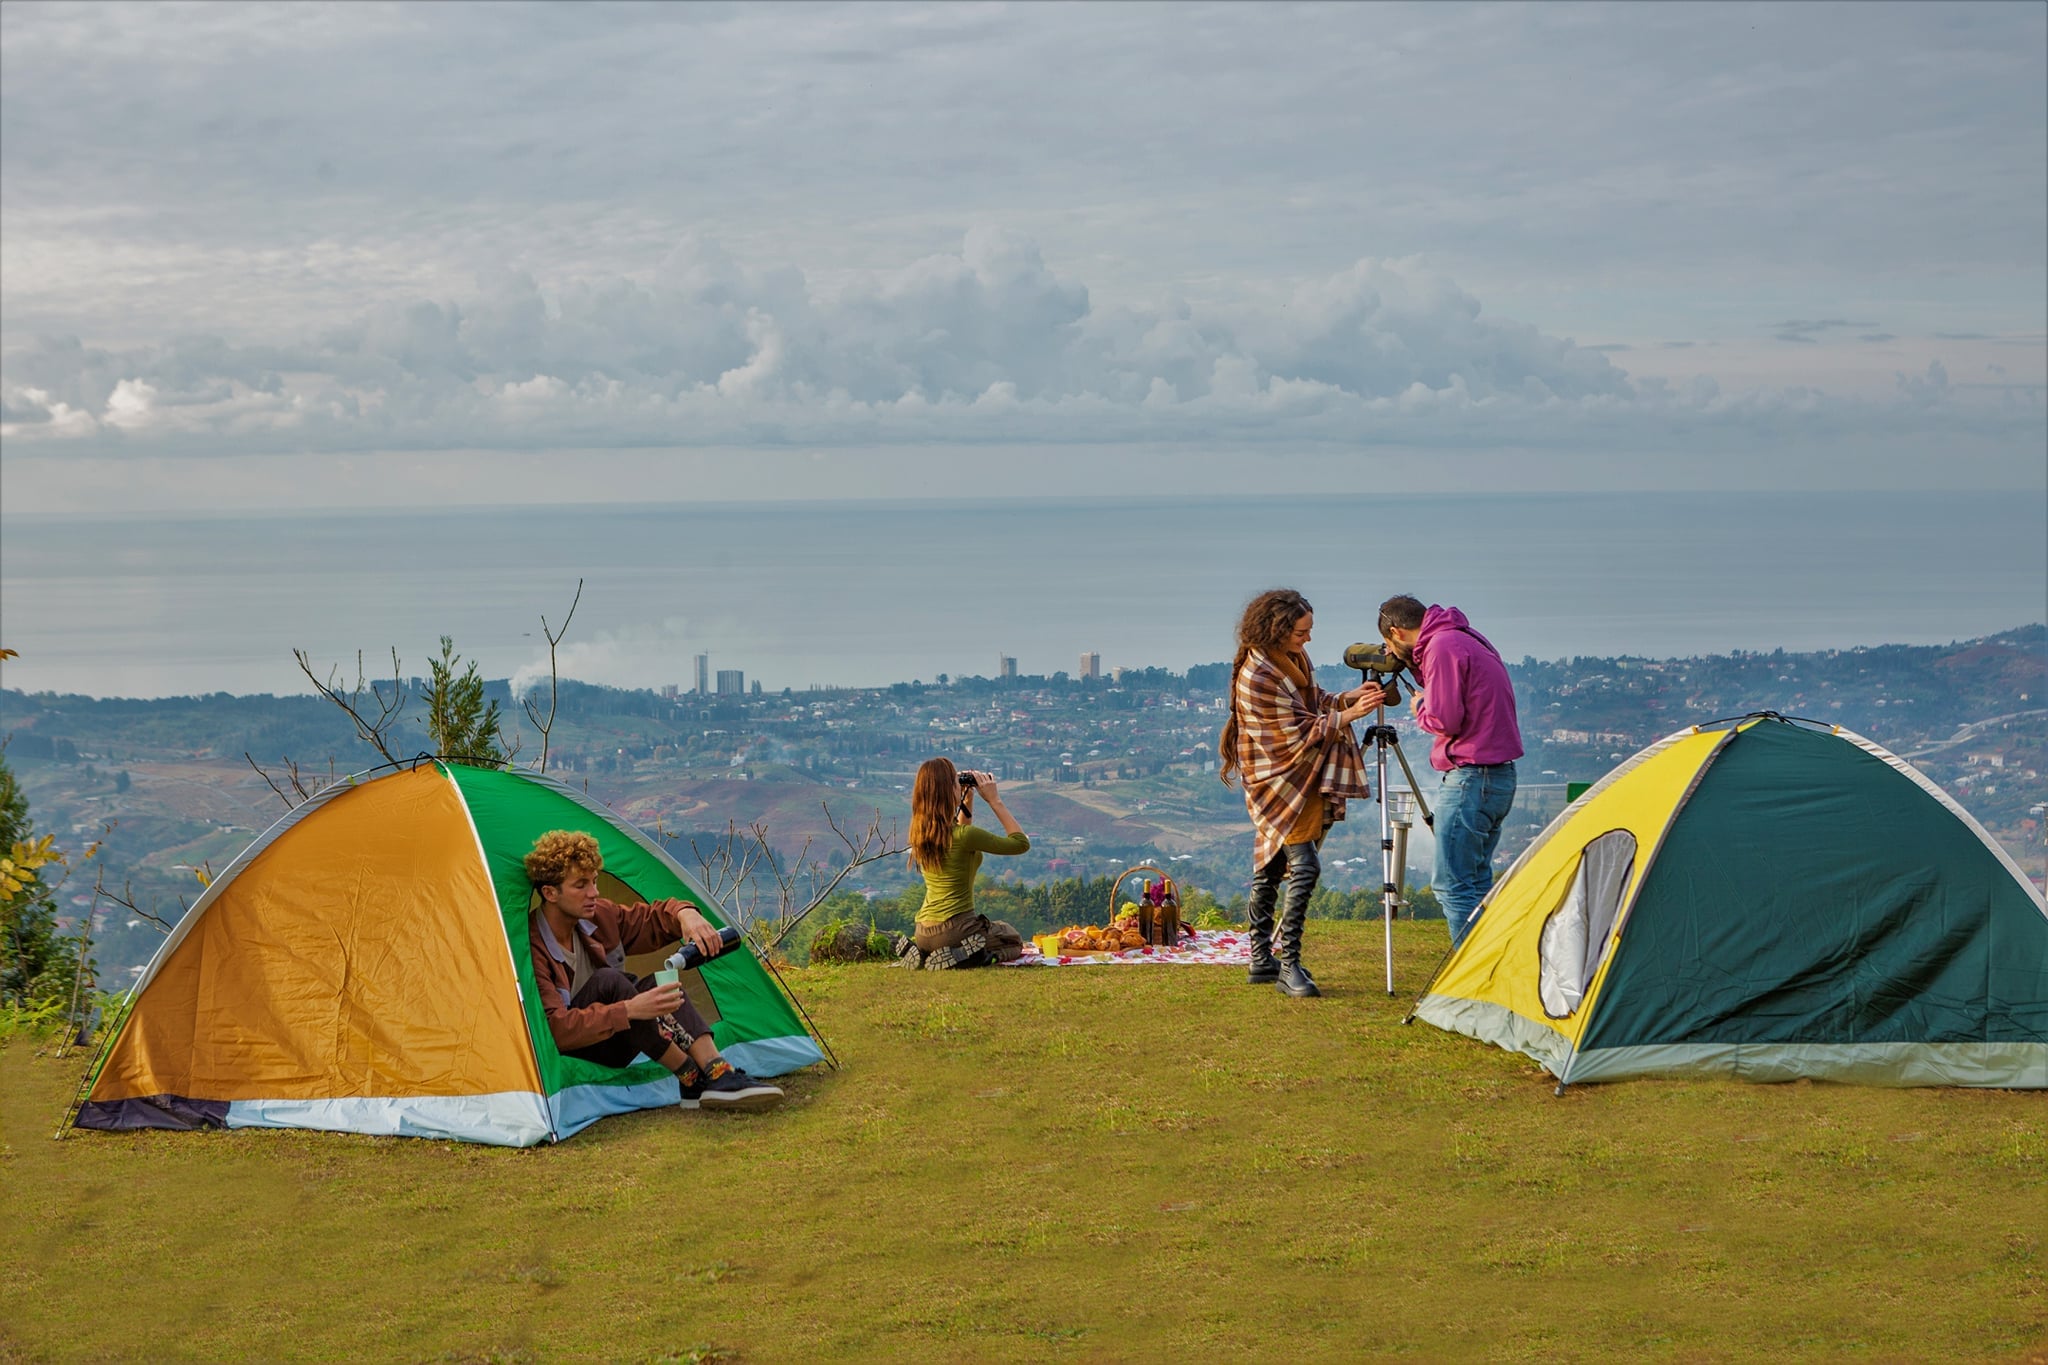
1106 771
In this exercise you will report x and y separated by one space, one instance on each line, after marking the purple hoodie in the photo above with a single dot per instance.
1468 702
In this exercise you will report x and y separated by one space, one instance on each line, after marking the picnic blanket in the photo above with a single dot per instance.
1208 948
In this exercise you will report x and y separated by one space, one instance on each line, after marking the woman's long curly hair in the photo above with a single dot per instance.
934 811
1268 625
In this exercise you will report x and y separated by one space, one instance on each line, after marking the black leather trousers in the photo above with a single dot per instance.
1298 867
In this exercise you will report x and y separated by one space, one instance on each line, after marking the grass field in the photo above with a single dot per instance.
1093 1164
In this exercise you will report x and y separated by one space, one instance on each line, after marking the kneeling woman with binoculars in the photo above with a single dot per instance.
946 846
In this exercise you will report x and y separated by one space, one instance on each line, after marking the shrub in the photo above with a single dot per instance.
38 965
850 940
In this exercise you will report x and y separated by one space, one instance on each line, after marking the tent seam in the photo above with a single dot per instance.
1597 990
525 1025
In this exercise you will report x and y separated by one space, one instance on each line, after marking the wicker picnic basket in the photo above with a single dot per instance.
1160 922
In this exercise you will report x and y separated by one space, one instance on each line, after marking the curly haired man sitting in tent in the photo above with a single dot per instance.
597 1011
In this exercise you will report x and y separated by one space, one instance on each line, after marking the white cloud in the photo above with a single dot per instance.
128 406
343 228
984 344
184 166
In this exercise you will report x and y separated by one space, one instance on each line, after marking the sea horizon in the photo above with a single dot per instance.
869 592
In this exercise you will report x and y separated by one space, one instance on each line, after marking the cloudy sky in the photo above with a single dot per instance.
307 255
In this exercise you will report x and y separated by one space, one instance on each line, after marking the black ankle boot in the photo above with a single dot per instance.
1295 981
1265 967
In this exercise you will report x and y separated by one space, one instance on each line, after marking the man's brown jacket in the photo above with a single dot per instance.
609 935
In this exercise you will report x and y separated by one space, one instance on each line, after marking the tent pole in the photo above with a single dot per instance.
108 1028
768 960
1434 974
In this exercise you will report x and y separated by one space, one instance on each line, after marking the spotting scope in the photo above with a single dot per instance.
1380 665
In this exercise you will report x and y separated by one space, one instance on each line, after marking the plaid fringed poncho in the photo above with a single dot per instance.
1290 745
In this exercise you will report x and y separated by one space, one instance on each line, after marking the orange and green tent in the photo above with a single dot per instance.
1767 901
364 967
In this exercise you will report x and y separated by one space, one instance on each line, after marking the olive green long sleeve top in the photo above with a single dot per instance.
949 887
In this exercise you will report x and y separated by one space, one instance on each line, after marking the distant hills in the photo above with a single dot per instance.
1105 772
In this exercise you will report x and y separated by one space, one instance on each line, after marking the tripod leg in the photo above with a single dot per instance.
1388 883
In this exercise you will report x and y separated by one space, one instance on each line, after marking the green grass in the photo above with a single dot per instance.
1105 1163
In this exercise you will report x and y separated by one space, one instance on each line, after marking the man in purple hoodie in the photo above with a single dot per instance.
1467 702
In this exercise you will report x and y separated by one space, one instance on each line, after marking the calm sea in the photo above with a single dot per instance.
869 593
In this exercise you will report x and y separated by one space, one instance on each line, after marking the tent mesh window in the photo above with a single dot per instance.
1575 936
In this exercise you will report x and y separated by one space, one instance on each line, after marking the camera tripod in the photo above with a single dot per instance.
1382 737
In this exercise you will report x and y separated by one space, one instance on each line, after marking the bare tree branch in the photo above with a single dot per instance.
554 638
371 731
125 898
741 870
874 844
288 802
728 871
299 781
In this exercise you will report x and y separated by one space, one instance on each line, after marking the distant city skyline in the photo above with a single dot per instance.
733 682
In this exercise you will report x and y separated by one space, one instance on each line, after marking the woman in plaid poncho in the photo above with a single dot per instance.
1292 743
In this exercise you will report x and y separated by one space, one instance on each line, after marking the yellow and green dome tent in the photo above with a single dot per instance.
1768 901
364 967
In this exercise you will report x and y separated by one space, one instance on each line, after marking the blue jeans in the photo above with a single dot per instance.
1471 806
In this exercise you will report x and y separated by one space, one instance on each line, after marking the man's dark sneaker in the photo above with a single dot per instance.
692 1082
1296 982
1263 973
733 1090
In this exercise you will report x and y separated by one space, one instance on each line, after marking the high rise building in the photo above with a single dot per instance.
731 682
1091 665
703 675
1006 666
